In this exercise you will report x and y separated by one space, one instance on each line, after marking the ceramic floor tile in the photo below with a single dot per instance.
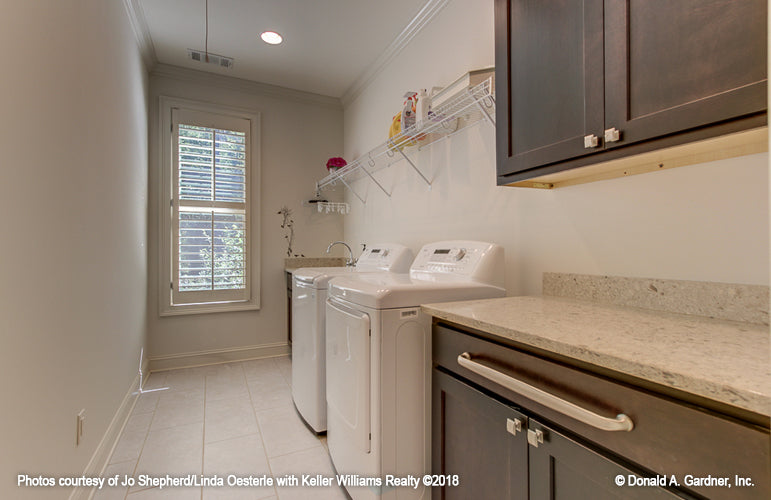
178 408
283 432
285 367
269 395
132 438
243 457
267 382
223 369
217 390
228 382
166 494
269 378
174 451
312 492
146 402
155 380
229 418
118 492
312 462
235 493
244 413
259 368
186 380
138 422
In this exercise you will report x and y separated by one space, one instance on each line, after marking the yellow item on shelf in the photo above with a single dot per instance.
396 125
396 129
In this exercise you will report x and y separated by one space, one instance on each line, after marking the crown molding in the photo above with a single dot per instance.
161 70
141 32
421 20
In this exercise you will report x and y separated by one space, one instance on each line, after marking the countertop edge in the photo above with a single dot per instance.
722 393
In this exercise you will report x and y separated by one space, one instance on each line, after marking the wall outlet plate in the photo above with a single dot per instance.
81 418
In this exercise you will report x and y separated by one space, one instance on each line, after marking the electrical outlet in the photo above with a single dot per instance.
79 430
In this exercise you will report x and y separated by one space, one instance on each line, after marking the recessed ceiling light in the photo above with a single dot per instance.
271 37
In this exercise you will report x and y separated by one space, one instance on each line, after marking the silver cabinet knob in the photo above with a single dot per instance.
612 135
591 141
513 426
535 437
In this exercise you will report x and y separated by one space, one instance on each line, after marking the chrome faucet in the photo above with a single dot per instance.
350 261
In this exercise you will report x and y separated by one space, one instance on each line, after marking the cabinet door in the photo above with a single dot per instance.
472 437
561 468
674 66
549 81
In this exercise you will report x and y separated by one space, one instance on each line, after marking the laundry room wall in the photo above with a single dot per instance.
73 265
298 133
706 222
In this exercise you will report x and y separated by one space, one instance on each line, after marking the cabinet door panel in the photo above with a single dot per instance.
470 438
549 70
673 66
561 468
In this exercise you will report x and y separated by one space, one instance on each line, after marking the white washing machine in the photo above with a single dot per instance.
379 362
309 294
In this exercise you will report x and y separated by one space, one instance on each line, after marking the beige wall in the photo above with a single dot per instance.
299 132
704 222
73 195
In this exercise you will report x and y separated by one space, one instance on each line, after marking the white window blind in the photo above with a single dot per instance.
210 208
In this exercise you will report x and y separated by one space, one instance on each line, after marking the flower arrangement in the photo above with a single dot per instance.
333 164
288 225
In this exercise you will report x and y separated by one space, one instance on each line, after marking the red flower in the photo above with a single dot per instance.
336 162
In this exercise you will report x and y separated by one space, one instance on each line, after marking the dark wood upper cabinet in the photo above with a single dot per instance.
585 81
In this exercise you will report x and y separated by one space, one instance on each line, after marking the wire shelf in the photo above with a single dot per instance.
468 107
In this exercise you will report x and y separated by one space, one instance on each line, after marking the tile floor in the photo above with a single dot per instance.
235 418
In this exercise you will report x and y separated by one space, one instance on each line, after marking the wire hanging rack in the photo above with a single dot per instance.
466 108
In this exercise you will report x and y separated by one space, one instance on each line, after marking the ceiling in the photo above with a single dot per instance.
329 45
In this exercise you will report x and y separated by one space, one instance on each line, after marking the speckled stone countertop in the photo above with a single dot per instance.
724 361
291 264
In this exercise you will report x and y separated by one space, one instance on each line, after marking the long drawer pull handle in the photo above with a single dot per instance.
620 423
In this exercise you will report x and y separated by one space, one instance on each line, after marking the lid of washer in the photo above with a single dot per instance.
391 291
443 271
382 257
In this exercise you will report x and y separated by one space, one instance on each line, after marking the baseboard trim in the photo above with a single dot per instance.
101 457
217 356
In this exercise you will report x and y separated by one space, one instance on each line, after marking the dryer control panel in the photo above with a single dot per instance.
462 260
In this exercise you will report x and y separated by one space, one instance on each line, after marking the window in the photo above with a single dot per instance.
208 226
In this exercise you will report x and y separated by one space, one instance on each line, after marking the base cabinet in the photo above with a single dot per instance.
505 444
561 468
470 438
485 442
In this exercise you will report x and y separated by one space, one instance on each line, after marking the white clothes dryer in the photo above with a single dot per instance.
379 363
309 294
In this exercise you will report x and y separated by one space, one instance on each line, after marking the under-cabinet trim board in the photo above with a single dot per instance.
748 142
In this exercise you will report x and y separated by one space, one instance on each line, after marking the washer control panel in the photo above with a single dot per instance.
386 257
459 258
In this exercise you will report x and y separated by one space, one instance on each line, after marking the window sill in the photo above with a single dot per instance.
214 307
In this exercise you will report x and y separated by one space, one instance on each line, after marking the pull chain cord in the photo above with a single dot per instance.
206 38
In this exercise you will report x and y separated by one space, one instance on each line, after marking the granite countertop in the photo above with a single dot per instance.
721 360
291 264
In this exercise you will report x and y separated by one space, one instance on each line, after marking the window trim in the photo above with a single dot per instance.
165 212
